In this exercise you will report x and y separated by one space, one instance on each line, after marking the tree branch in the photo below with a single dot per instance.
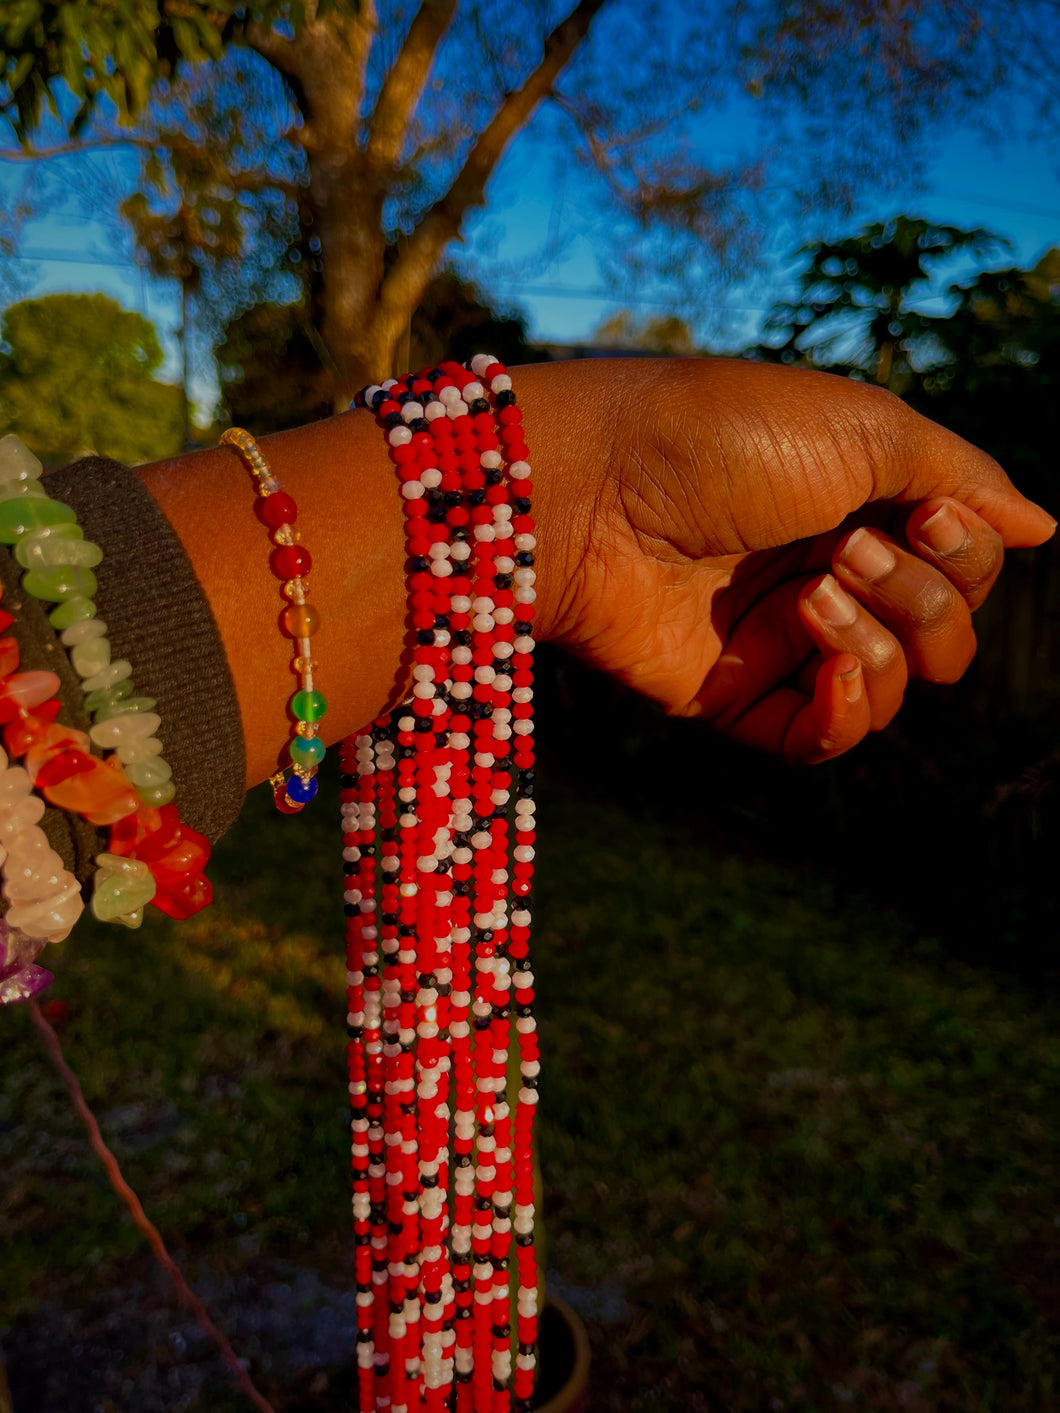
403 85
66 149
411 272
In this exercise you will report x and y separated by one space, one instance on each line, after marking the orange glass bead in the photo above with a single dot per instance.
301 620
98 791
21 733
9 657
129 835
51 740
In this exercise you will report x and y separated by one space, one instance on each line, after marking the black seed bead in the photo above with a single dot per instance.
461 838
524 1239
445 988
463 1160
423 724
483 1204
419 564
462 638
434 375
486 935
350 909
365 1336
526 1348
494 477
430 1180
500 1331
425 637
436 515
521 505
524 559
443 865
432 1297
433 496
441 738
379 398
419 424
528 776
506 398
407 752
409 997
521 626
500 664
486 1130
503 1210
451 499
529 1081
460 534
461 887
504 581
407 929
524 1012
395 1228
502 1012
480 404
389 919
475 498
404 397
482 1022
347 782
393 419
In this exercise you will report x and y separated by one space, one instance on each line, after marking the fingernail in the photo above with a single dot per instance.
853 683
867 556
832 604
944 532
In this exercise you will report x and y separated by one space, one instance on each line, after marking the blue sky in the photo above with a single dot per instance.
1011 188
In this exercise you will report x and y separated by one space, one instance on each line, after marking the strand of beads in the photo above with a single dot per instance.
295 784
152 856
430 989
59 562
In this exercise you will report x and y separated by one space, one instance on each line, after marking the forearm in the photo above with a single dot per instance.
350 519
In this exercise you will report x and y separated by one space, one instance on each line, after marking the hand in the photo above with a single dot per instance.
688 561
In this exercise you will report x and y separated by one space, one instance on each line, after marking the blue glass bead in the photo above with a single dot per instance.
301 791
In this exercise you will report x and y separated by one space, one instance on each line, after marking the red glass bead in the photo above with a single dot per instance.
278 509
9 656
291 562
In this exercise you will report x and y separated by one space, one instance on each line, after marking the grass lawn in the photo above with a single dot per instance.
795 1157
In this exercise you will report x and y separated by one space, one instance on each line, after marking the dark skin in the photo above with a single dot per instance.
773 550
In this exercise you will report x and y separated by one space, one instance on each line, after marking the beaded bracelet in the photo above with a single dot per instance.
294 785
435 960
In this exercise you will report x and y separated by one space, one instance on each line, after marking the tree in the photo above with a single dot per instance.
354 133
658 333
76 376
270 358
859 306
981 356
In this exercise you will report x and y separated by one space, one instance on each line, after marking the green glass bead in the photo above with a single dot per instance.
157 795
117 896
19 517
307 751
121 705
145 773
90 657
17 462
108 696
71 611
61 582
308 706
22 490
39 550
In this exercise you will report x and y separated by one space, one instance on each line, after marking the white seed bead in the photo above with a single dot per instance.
434 410
501 383
411 490
457 409
519 470
411 411
399 436
485 533
450 395
431 478
490 460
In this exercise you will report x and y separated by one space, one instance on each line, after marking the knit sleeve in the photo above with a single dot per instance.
158 618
